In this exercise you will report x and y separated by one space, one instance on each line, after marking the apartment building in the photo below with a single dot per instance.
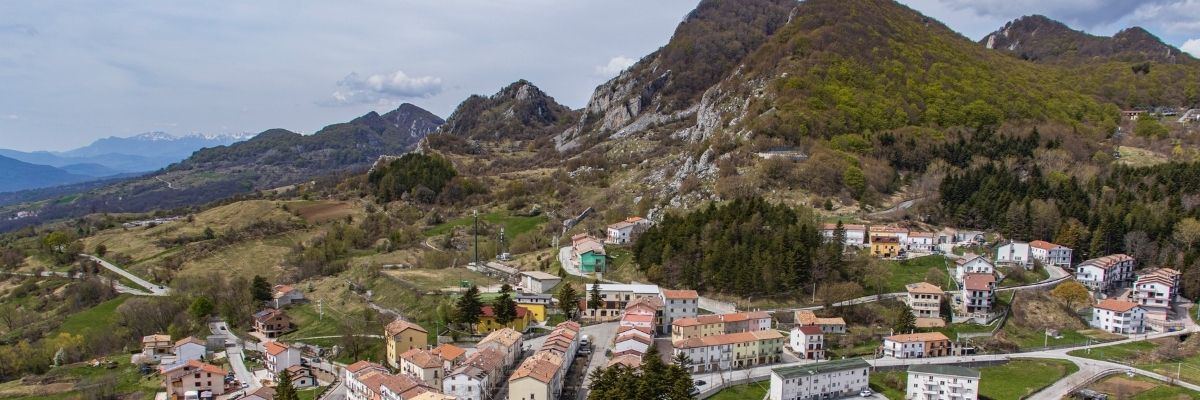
824 380
615 298
1051 254
978 293
917 345
942 382
1105 273
972 264
477 377
732 350
678 304
925 300
808 342
720 324
1156 291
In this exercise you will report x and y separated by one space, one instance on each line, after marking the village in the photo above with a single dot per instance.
540 353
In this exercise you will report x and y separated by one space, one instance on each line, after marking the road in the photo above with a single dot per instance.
155 289
121 288
903 205
602 336
233 351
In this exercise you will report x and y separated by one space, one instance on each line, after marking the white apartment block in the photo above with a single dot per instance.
856 235
972 264
1016 253
924 299
942 382
824 380
1119 316
808 342
1105 273
1050 253
920 241
1156 290
678 304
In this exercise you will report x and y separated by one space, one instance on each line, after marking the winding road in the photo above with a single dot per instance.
155 289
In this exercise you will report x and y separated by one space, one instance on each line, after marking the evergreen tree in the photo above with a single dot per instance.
260 289
681 359
284 390
470 307
568 300
594 301
504 306
905 321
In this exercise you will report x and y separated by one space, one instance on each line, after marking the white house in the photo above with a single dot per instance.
1156 290
942 382
856 235
808 342
475 377
633 341
1016 253
1105 273
925 301
978 293
286 295
626 231
188 349
678 304
538 281
1050 253
920 241
278 357
972 264
823 380
1118 316
916 345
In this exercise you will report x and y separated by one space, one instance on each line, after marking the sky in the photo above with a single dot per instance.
72 72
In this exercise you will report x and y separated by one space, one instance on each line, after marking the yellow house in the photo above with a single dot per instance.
885 245
487 321
403 336
698 326
537 311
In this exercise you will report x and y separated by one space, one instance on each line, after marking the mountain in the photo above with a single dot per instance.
519 111
1041 39
17 175
141 153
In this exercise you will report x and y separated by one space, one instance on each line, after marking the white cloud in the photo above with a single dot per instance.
614 66
12 117
1192 46
382 88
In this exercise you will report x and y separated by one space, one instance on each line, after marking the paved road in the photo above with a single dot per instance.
155 289
116 284
233 350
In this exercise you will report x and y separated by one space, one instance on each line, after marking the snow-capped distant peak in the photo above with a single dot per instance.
155 136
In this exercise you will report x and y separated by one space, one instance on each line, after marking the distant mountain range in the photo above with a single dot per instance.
116 155
18 175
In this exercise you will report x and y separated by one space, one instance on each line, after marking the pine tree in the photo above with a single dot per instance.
905 321
260 289
504 306
470 307
568 300
594 301
284 390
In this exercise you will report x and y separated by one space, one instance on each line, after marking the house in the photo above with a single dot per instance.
917 345
272 322
731 350
625 360
506 342
615 297
285 295
537 304
978 293
645 312
1050 253
451 354
369 381
632 340
207 380
587 254
263 393
1118 316
824 380
423 365
433 396
539 377
1155 291
808 342
832 325
972 264
942 382
856 235
925 301
190 348
538 281
885 245
301 376
476 377
901 234
679 304
921 241
720 324
1105 273
278 357
488 322
403 336
154 347
1015 253
626 231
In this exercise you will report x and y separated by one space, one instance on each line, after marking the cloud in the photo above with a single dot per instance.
12 117
383 88
1172 16
1193 47
614 66
1079 13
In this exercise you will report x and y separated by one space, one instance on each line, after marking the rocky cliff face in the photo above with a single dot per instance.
1040 39
519 111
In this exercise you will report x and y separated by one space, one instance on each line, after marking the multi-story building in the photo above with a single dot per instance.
1015 253
403 336
423 365
1155 291
917 345
972 264
538 305
823 380
1118 316
477 377
921 241
1050 253
885 245
626 231
720 324
278 357
193 376
1105 273
615 297
490 322
272 322
978 293
808 342
538 378
370 381
925 300
155 347
679 304
942 382
901 234
856 235
644 312
506 342
587 254
829 325
632 340
732 350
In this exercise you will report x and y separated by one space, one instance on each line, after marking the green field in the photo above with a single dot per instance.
880 383
749 391
100 317
1010 381
912 271
1028 338
126 377
1134 353
514 225
1141 388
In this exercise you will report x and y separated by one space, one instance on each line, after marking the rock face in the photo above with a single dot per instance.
520 111
1040 39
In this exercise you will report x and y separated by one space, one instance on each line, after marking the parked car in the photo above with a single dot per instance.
866 393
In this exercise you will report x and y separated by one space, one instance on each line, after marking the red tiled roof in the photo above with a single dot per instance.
1116 305
399 325
1044 245
810 329
422 359
923 288
680 294
1105 262
361 365
979 281
274 348
448 351
918 337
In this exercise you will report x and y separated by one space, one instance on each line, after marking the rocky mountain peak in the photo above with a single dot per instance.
1040 39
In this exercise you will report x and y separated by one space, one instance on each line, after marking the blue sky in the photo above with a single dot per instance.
72 72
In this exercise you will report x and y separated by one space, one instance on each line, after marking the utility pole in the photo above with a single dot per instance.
320 310
476 214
